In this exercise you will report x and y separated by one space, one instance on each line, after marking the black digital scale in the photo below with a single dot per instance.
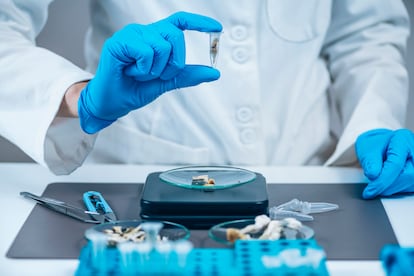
175 196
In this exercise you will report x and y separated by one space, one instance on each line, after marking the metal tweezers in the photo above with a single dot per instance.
66 209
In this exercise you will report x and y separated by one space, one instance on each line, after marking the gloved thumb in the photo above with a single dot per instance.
192 75
370 148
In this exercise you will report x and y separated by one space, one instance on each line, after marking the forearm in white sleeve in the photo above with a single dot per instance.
365 49
33 83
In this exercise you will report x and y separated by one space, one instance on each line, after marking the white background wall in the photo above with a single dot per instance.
64 33
410 64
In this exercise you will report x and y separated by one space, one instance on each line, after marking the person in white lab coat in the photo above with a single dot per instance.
300 80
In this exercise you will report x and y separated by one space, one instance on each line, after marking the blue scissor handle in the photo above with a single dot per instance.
95 202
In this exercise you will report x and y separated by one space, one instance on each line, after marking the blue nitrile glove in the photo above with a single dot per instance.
386 157
138 64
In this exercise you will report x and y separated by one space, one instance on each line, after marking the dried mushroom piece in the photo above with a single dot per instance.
202 180
266 229
233 234
134 234
260 222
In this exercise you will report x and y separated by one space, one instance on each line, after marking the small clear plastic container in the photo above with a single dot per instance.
219 232
168 232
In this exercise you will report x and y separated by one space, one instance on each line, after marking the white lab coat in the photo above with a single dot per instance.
300 80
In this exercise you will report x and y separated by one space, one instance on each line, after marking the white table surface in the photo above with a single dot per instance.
17 177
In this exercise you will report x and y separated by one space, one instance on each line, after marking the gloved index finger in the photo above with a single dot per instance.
369 148
371 161
195 22
396 157
172 29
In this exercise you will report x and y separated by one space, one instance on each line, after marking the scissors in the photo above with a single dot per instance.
98 209
97 206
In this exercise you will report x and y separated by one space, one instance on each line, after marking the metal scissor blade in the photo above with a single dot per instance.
63 208
110 217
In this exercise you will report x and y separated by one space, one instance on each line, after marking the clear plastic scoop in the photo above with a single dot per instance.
279 214
307 207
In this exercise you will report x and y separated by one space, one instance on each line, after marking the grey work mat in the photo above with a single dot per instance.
357 231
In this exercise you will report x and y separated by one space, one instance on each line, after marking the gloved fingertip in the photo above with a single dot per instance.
368 193
371 169
191 21
216 26
371 174
213 75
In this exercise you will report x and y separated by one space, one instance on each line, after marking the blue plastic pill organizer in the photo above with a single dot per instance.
253 257
397 260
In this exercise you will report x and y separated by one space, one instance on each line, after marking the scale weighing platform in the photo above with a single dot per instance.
185 196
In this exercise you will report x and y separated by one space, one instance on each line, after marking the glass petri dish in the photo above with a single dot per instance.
169 232
219 232
198 177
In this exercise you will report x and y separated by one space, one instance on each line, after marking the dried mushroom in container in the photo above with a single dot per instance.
138 231
261 228
134 234
202 180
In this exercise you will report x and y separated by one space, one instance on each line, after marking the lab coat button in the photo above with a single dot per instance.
248 136
240 55
244 114
239 33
